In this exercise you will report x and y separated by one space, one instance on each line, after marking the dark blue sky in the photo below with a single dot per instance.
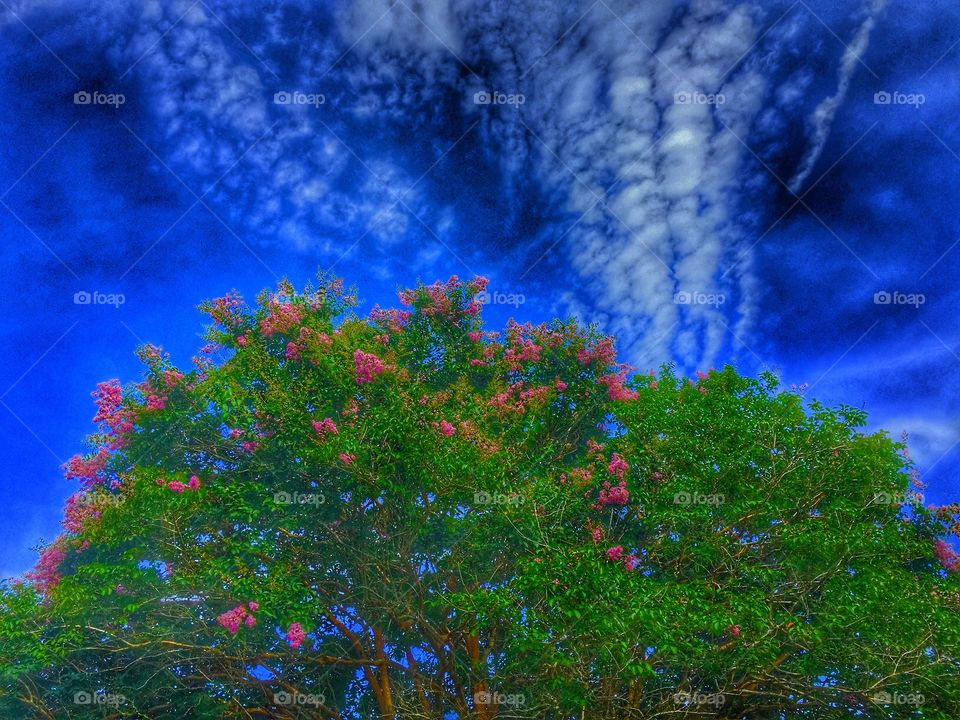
662 151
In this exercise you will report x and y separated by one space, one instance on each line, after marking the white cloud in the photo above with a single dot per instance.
821 120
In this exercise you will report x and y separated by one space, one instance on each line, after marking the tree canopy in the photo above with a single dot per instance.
406 515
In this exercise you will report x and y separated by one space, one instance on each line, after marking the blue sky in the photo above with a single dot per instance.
777 164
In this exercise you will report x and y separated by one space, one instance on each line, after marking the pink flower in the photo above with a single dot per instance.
618 466
597 535
347 458
249 446
90 469
156 402
446 428
615 553
735 630
296 635
231 619
194 482
46 574
616 495
254 606
281 318
479 283
325 427
947 557
176 486
241 340
561 386
367 366
631 561
250 621
615 387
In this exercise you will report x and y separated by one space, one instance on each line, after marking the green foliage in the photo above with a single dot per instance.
475 525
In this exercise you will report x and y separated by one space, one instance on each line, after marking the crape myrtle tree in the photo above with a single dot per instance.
408 516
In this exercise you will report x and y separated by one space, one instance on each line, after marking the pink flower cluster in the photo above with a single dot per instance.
367 366
444 299
618 466
325 427
347 458
446 429
393 320
515 398
947 556
232 619
615 387
110 411
616 554
296 635
89 469
226 310
156 402
46 574
80 510
524 350
613 495
296 348
179 487
281 318
602 352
